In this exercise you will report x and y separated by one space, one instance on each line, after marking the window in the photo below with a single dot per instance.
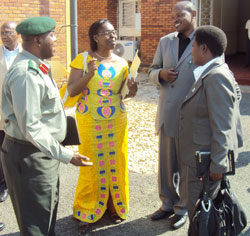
138 7
127 14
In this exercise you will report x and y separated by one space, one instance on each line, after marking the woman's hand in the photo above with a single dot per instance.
92 67
132 86
78 81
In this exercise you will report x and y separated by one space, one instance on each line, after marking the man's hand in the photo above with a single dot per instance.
215 177
80 160
168 75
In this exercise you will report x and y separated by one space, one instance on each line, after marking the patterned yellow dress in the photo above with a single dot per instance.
102 123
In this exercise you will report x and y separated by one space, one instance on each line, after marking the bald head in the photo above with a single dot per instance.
9 24
186 5
9 35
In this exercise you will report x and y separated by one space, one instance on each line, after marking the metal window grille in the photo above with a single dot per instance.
128 14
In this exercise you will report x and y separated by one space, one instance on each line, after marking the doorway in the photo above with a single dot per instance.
231 17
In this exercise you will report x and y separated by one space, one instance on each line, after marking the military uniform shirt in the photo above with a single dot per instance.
32 108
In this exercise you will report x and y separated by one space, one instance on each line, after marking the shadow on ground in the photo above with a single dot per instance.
244 108
243 159
104 227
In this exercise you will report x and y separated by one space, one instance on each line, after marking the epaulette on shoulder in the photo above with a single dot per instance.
32 65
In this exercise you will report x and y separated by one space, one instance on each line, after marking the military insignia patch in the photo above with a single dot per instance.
33 65
43 68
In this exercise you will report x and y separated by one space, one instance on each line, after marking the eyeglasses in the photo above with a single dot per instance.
7 33
108 33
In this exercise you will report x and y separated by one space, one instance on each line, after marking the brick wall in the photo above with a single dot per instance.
156 21
91 11
17 10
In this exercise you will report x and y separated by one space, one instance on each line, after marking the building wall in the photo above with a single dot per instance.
156 21
216 21
205 12
226 15
91 11
17 10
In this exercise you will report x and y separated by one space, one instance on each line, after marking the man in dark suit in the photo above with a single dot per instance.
209 116
172 71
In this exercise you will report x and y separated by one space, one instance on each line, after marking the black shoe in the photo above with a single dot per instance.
2 225
177 221
3 195
160 214
83 227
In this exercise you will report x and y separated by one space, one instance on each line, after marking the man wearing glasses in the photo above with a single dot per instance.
8 52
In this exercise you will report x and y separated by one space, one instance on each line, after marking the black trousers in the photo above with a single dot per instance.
3 185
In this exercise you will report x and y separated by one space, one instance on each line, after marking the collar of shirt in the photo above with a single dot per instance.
16 50
11 55
182 38
183 43
200 69
191 36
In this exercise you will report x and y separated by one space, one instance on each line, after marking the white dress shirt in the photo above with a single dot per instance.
200 69
11 55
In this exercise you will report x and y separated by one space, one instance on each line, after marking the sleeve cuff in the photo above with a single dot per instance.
66 156
218 169
154 76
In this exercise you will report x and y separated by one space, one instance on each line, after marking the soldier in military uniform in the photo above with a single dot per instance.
35 125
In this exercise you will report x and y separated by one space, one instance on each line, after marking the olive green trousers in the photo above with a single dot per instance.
33 184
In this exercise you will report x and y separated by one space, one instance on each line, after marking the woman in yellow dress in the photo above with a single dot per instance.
102 123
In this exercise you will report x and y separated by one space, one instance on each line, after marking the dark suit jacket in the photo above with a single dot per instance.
209 117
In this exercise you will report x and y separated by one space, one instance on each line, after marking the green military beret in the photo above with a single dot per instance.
36 25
